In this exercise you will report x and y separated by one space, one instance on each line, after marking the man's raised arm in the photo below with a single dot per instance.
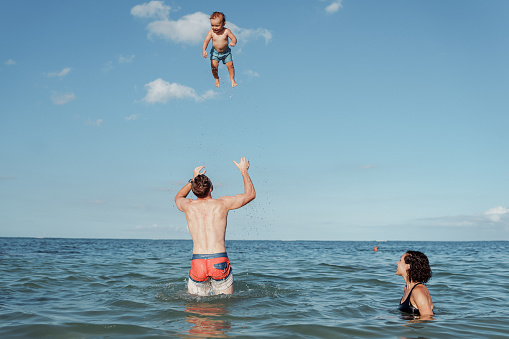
249 194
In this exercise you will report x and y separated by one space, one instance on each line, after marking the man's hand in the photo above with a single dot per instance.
198 169
243 165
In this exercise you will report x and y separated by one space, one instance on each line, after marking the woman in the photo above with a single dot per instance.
413 266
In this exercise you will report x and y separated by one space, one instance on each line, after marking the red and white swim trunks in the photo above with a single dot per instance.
210 272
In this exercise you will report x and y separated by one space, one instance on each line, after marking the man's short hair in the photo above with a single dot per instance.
201 186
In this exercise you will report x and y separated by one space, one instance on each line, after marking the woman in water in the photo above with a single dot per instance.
413 266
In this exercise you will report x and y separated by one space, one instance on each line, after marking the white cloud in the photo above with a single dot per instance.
152 9
190 29
62 98
126 60
160 91
497 213
132 117
210 94
245 34
251 73
10 62
334 6
8 178
60 74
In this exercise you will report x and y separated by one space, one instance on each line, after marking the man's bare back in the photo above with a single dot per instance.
207 219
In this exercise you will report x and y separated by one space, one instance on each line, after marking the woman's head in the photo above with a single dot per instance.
418 269
201 186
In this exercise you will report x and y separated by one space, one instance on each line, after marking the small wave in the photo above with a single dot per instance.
341 267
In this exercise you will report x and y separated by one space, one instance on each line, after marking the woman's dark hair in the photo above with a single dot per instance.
201 186
419 270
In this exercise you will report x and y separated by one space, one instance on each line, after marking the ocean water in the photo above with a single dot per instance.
89 288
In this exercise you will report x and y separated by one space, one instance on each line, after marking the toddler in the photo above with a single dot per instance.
220 48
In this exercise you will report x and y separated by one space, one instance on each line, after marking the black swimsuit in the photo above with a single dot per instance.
406 306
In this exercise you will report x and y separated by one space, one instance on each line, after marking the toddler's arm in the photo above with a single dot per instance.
206 43
232 37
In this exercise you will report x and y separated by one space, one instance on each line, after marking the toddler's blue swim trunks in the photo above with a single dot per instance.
225 57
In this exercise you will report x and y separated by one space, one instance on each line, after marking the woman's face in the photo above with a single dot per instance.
402 266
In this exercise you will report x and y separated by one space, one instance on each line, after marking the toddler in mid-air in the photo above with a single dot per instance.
220 48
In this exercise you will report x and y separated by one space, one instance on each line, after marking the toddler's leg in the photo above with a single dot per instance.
231 70
214 64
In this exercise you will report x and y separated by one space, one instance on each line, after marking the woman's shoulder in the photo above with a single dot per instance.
420 290
420 287
421 299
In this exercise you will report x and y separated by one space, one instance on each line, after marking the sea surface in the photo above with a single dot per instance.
99 288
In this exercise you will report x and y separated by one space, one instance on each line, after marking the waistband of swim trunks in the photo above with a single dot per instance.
223 52
210 256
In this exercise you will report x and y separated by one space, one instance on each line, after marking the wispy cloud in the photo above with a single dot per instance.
132 117
107 66
251 73
156 228
122 59
147 227
494 217
97 202
334 6
126 59
160 91
59 74
246 34
97 123
10 62
189 29
367 166
8 178
62 98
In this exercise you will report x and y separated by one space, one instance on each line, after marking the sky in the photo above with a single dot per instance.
362 120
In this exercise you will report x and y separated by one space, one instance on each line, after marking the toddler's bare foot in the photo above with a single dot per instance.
217 82
233 83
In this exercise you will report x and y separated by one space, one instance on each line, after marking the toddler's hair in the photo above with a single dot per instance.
218 15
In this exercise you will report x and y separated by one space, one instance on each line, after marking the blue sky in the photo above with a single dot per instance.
363 120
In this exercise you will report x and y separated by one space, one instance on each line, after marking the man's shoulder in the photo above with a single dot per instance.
211 201
224 198
208 204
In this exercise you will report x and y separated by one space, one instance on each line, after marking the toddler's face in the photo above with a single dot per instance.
216 24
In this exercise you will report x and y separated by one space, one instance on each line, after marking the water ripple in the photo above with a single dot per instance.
87 288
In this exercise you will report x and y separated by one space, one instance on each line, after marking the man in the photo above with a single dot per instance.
206 220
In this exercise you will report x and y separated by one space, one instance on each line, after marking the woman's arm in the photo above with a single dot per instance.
422 300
